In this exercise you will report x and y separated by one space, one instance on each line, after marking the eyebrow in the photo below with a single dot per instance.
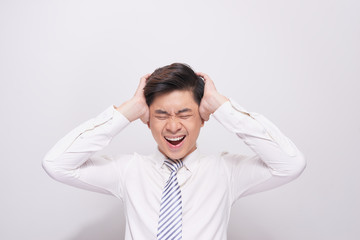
159 111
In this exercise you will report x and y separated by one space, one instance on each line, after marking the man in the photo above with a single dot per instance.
178 192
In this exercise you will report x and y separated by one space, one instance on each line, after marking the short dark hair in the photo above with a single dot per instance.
176 76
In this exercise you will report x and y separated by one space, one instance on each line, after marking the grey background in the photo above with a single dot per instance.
296 62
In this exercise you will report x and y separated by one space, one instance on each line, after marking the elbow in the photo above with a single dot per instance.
299 165
291 167
49 168
55 172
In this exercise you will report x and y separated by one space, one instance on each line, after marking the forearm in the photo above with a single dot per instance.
77 146
131 109
277 151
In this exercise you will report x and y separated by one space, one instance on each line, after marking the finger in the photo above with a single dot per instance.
145 77
207 80
204 76
142 83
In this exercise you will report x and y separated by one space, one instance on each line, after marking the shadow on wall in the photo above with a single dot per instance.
110 227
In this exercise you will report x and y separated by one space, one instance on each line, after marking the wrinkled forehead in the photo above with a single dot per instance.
174 102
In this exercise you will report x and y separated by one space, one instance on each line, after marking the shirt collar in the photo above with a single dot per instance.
189 161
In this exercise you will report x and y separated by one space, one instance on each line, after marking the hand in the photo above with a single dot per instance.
136 107
211 100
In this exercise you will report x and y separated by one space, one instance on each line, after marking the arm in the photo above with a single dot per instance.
277 160
71 160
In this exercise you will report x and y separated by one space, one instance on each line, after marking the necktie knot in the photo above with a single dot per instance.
173 164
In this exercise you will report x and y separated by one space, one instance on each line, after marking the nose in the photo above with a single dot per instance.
173 125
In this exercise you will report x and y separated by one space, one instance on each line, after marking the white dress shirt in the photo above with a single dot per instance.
209 184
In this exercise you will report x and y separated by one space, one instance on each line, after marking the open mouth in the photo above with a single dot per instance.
175 140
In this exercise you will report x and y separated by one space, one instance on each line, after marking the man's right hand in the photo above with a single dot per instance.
136 107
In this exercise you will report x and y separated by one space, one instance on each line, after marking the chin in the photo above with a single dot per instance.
174 155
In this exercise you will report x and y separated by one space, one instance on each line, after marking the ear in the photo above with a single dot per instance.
202 122
148 124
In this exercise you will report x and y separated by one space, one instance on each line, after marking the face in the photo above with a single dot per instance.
175 123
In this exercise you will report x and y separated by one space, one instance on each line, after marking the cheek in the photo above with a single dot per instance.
156 128
193 128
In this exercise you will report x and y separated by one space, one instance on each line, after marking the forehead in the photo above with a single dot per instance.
174 100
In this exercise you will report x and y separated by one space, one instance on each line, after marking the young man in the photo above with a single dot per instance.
178 192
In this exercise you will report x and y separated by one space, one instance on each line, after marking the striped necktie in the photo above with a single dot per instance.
170 219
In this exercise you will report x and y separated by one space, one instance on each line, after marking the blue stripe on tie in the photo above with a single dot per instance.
170 226
168 213
170 216
170 208
169 187
173 232
172 200
172 188
177 235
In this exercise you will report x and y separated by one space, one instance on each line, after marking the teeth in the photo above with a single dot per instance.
175 139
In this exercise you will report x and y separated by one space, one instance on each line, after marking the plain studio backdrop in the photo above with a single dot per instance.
296 62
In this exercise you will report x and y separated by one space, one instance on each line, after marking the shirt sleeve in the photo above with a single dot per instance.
276 161
72 159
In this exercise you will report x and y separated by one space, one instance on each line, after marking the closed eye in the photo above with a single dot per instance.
161 117
185 116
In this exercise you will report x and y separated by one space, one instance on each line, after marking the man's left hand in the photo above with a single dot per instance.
211 100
